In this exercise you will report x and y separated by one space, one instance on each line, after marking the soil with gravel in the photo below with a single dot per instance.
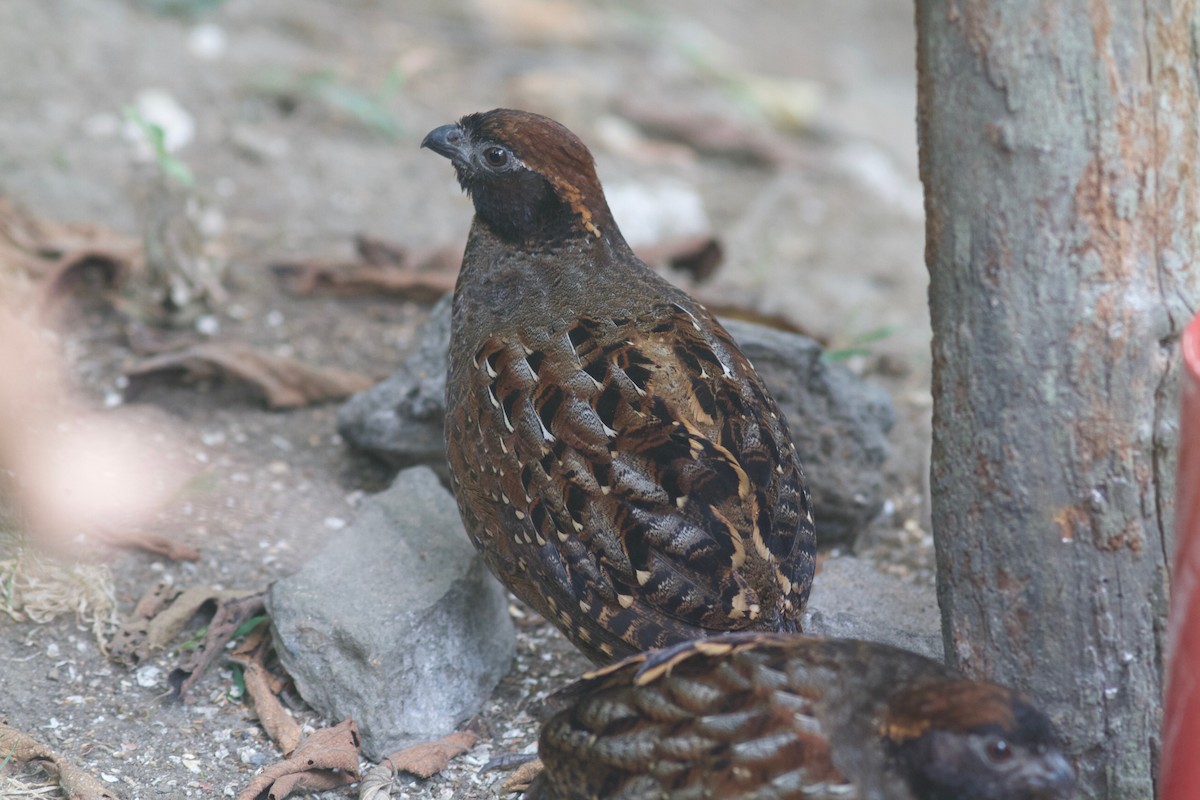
306 116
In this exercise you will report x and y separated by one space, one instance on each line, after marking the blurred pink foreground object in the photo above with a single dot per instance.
76 471
1181 727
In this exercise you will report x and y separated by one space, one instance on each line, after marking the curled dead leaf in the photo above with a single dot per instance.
699 256
151 543
723 308
377 782
520 779
386 269
325 760
230 615
273 717
159 617
429 758
282 382
46 241
95 269
348 280
57 258
76 784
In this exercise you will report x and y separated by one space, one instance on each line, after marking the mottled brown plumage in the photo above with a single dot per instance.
615 457
757 715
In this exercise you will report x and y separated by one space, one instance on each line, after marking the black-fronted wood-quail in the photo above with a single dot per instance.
615 457
788 717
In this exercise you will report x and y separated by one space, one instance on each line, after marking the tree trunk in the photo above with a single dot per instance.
1059 146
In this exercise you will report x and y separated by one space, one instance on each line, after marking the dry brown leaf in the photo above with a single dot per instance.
59 255
255 646
429 758
283 382
519 780
275 719
699 256
128 645
721 307
308 782
151 543
387 269
81 268
167 612
22 229
18 268
377 782
77 784
325 760
380 252
358 279
231 613
47 241
155 599
384 269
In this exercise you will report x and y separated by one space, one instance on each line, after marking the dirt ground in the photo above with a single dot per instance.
305 118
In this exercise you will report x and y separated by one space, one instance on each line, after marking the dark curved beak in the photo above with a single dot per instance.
1051 778
448 140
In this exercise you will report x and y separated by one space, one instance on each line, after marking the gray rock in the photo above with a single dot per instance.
400 418
852 599
397 623
838 421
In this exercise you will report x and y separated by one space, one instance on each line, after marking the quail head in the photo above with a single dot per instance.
615 457
761 715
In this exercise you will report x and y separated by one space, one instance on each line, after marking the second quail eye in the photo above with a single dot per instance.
495 156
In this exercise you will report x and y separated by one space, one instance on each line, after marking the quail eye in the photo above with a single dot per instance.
495 157
998 750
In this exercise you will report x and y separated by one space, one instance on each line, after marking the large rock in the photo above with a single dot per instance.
397 622
852 599
838 421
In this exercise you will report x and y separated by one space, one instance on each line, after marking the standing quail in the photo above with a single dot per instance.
761 715
615 457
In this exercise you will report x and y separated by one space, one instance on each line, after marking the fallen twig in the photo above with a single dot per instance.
76 783
282 382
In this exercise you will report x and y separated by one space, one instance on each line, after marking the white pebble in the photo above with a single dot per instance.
148 676
207 41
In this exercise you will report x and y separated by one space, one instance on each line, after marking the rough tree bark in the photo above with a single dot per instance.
1060 141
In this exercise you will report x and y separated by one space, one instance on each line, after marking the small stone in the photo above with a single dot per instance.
207 41
148 676
400 419
160 108
852 599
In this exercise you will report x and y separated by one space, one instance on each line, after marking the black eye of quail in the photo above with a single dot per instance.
495 156
998 750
